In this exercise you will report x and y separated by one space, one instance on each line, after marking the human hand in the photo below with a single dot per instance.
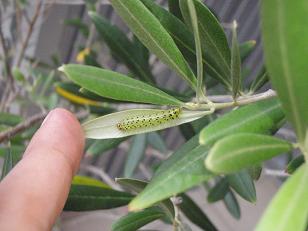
33 194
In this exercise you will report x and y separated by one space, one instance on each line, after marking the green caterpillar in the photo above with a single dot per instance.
144 121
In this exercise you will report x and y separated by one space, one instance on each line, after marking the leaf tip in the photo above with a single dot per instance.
132 207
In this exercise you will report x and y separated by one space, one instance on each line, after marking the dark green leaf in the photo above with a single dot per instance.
212 35
122 47
261 79
101 146
135 220
138 185
195 214
153 35
243 184
116 86
289 208
135 154
232 205
174 8
246 48
219 191
8 163
141 51
243 150
285 36
156 141
295 163
86 198
235 63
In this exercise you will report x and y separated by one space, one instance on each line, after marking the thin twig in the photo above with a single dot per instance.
273 172
8 134
29 33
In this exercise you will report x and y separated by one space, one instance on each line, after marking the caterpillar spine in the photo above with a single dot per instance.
144 121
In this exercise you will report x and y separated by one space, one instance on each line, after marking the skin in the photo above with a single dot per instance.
33 194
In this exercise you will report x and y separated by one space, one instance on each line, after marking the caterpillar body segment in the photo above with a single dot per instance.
145 121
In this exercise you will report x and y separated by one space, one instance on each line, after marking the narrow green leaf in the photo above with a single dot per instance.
295 163
84 180
135 154
289 208
194 22
157 142
137 121
16 151
9 119
184 169
212 36
235 63
86 198
261 79
177 178
261 117
8 163
219 191
138 185
153 35
246 48
116 86
135 220
194 213
243 184
243 150
285 36
232 205
121 47
142 52
174 8
185 41
101 146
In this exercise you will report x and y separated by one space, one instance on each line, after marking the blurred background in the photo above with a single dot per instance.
42 35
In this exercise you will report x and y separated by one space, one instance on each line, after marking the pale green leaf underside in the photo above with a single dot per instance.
289 208
105 127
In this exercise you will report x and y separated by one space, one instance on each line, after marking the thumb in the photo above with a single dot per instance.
33 194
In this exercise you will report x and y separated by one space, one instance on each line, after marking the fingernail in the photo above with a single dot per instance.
47 117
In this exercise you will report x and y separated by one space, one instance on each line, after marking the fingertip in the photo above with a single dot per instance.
60 131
